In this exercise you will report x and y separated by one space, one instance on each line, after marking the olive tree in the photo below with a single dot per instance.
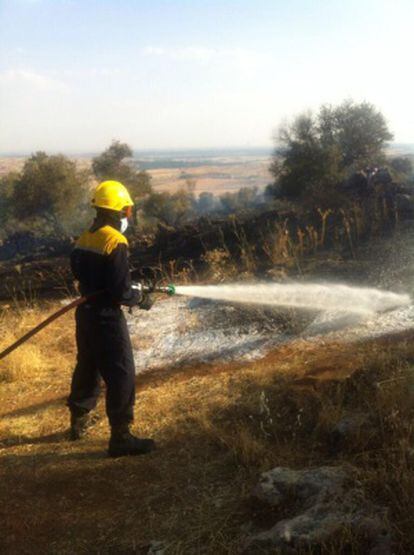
172 209
316 152
115 163
49 186
7 185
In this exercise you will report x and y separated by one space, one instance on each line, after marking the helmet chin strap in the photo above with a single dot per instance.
127 212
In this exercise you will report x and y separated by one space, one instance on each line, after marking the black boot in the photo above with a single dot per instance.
80 424
123 443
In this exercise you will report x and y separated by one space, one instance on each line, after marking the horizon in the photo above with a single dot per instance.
167 74
213 151
178 150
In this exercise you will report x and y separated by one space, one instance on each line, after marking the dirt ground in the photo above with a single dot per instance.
193 493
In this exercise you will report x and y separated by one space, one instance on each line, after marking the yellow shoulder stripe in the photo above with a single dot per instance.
103 241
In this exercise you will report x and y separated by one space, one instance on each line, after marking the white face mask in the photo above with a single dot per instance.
124 224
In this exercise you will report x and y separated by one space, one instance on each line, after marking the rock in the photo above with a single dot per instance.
156 548
327 505
404 204
278 484
351 429
277 274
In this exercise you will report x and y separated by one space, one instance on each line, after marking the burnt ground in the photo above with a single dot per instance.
193 493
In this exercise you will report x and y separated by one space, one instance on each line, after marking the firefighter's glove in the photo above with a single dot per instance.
146 302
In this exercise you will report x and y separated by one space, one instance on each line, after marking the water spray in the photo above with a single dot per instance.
309 296
364 301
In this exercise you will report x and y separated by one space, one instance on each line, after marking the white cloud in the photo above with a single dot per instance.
88 72
32 79
104 72
154 51
203 55
191 53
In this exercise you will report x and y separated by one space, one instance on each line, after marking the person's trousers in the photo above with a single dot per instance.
104 349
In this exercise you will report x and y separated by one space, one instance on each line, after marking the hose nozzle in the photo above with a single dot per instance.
169 289
145 288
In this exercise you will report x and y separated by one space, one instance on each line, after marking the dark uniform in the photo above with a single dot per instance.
100 263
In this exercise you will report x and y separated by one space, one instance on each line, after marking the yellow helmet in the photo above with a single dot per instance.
112 195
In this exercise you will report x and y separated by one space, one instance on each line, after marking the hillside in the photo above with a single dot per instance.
279 430
217 426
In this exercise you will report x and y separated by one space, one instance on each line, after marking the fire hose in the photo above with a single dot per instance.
143 288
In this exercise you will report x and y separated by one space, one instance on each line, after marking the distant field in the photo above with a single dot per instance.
216 170
217 178
217 175
10 165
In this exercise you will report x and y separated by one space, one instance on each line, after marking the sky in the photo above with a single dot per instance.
171 74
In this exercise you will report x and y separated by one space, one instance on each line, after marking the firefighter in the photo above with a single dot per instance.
99 262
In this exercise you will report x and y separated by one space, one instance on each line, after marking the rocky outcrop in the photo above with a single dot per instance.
156 547
353 430
321 507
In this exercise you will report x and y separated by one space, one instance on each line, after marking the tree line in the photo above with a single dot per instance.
314 156
52 195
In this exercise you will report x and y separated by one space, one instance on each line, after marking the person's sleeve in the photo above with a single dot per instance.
75 264
118 278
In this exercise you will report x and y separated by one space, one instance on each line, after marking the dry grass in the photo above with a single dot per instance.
217 179
32 361
217 428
